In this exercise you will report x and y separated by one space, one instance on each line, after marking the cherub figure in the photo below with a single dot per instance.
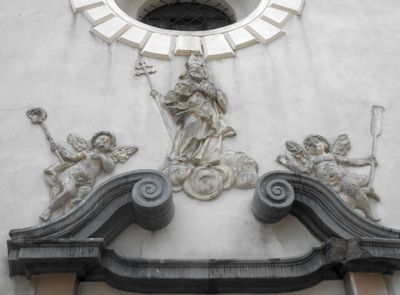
318 158
72 180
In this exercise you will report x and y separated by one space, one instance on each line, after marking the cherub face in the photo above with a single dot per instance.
103 143
315 146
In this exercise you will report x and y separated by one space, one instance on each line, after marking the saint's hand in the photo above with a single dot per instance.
373 161
154 94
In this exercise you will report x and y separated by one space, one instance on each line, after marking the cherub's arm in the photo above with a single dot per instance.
70 157
294 165
354 162
107 163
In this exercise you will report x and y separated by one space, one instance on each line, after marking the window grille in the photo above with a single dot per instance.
188 16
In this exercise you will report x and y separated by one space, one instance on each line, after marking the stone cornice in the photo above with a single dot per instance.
92 262
142 196
77 243
321 210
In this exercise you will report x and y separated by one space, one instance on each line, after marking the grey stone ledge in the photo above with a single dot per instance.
77 243
142 196
320 209
93 262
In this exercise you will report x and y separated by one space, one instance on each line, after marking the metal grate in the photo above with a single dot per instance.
188 16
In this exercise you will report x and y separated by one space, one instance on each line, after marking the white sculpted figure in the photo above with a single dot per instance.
198 107
197 163
318 158
71 180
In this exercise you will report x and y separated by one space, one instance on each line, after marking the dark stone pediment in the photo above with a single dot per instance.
77 243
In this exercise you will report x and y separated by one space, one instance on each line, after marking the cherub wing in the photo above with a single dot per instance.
66 154
123 153
78 143
296 158
297 151
341 145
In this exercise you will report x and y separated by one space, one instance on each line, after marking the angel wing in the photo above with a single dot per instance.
123 153
297 151
78 143
341 145
296 158
66 154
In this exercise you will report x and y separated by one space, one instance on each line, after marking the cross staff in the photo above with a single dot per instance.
143 69
37 117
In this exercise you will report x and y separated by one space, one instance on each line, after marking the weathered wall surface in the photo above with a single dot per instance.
337 59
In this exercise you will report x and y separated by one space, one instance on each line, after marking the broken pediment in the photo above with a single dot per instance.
78 242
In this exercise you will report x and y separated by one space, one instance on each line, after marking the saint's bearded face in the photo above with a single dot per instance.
197 73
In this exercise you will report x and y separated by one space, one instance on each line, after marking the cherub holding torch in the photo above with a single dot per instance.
72 178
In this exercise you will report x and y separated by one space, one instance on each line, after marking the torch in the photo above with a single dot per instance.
37 117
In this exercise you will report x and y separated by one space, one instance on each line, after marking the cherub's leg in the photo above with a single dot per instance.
58 201
371 194
83 191
362 203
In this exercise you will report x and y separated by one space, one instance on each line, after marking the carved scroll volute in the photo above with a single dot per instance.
273 199
153 203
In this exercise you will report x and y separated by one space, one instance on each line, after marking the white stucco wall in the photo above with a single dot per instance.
337 59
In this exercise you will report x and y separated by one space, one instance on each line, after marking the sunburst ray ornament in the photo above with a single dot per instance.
262 25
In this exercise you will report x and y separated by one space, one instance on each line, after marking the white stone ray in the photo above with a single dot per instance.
81 5
135 37
159 46
292 6
264 27
216 47
264 31
276 17
240 38
111 29
186 45
99 14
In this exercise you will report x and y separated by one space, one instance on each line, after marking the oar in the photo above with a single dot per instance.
376 131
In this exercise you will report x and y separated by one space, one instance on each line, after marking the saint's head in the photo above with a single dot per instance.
196 69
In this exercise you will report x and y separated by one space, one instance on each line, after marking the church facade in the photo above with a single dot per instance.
200 147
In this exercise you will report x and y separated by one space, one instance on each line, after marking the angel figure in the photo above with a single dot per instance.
71 180
318 158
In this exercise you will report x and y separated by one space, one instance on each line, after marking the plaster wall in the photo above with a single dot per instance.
337 59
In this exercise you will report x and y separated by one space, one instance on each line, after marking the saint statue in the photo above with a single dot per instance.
198 107
197 163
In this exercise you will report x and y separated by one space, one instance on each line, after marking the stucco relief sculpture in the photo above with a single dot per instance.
73 176
197 163
327 162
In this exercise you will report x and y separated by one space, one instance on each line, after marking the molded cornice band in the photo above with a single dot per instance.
92 262
321 210
142 196
77 242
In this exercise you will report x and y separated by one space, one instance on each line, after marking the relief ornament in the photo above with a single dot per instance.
73 176
327 163
197 164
